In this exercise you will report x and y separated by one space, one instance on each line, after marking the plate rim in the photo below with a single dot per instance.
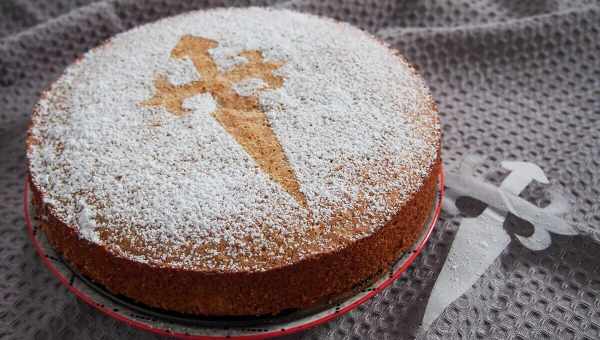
269 334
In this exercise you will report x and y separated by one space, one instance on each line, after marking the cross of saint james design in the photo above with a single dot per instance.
239 115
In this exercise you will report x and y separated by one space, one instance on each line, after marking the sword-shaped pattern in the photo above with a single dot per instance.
239 115
480 240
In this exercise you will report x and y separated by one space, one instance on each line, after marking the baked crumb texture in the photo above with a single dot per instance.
235 161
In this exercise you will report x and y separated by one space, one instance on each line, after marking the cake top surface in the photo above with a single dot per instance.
232 139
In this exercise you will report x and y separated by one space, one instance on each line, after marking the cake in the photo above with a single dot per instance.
235 161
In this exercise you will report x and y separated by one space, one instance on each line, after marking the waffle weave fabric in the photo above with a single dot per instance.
514 80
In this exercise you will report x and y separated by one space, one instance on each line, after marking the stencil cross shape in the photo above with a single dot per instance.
239 115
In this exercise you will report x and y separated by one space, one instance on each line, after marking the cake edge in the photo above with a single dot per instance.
306 283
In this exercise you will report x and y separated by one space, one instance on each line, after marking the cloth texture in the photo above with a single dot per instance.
514 80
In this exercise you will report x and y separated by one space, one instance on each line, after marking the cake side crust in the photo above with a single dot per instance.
304 284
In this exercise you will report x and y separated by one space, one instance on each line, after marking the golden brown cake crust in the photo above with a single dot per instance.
304 284
210 199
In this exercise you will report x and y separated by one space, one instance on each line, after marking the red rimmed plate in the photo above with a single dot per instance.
192 327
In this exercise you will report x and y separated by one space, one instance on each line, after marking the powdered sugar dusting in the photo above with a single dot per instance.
354 121
249 87
180 72
87 222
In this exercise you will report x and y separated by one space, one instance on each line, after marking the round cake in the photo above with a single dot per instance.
235 161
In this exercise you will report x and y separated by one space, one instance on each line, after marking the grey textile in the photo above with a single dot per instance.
514 79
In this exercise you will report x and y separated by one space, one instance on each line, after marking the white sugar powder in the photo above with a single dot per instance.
354 121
